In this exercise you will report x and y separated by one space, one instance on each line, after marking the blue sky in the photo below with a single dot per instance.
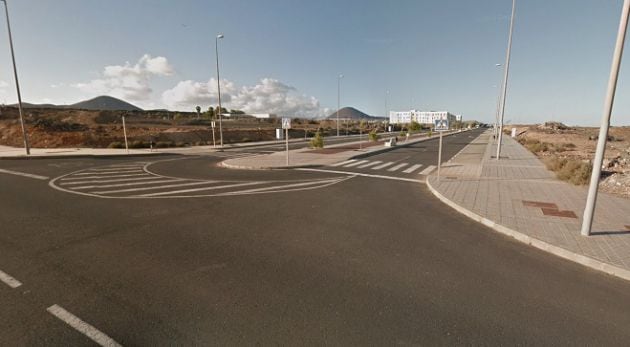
284 56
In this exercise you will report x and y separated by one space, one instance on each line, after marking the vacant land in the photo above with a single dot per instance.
569 152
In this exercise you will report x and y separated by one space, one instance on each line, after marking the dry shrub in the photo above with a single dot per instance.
575 171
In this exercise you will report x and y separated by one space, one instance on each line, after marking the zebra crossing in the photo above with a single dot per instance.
388 166
135 180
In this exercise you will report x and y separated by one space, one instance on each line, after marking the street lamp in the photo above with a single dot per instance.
338 100
589 209
216 46
496 114
505 79
386 113
17 83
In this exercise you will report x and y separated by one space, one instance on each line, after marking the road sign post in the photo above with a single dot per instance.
286 125
440 125
214 143
125 134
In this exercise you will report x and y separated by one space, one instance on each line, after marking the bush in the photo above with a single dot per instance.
575 171
116 144
429 133
164 144
373 136
138 144
317 141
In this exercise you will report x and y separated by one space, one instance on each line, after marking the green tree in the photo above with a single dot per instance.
210 112
414 126
373 135
318 140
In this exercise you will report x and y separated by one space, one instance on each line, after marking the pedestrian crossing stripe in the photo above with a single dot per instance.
413 168
390 166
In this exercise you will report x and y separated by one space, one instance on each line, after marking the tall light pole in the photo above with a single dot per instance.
338 100
496 115
386 113
506 72
17 83
589 210
216 46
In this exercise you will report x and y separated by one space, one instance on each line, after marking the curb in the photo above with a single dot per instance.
544 246
244 167
85 156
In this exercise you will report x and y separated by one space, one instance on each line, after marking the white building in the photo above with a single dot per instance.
422 117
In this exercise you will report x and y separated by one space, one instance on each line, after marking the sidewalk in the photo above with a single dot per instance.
519 197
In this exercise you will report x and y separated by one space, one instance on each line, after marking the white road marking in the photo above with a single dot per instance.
8 280
356 163
128 184
200 189
344 162
24 174
127 168
99 177
283 186
154 187
112 181
370 164
362 175
106 173
395 168
413 168
82 327
383 165
428 170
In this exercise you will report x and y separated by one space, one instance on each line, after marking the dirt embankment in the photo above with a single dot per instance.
569 151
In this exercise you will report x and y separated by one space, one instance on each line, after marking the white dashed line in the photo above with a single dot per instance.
82 327
427 170
383 165
370 164
413 168
24 174
9 281
395 168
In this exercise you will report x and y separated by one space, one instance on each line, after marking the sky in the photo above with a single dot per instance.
285 56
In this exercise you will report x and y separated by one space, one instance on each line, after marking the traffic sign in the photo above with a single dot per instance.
440 124
213 124
286 123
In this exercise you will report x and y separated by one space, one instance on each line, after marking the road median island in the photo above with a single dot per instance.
518 197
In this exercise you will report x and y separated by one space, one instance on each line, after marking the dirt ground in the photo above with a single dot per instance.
579 143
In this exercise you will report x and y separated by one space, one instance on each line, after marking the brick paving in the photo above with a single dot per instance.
520 194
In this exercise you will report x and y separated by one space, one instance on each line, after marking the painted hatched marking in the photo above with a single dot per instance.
427 170
383 165
413 168
113 181
397 167
153 187
99 177
200 189
370 164
128 184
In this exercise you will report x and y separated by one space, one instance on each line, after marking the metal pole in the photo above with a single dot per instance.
439 165
27 146
496 114
338 100
505 80
591 200
216 46
214 143
286 136
125 134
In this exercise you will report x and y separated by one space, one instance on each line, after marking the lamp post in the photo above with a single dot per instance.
216 46
17 83
338 100
505 80
386 113
496 114
589 210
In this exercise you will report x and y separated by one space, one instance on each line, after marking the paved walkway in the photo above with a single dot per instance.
518 196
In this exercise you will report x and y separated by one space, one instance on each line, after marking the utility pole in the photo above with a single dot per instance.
591 200
505 80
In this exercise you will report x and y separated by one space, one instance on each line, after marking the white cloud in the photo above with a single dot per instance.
3 85
188 94
129 82
268 96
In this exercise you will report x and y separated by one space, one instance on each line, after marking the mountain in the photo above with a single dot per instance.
29 105
351 113
105 102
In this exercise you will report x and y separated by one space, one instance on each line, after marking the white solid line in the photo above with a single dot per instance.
70 178
395 168
82 327
356 163
112 181
413 168
23 174
128 184
284 186
383 165
135 167
370 164
427 170
363 175
200 189
8 280
85 173
155 187
344 162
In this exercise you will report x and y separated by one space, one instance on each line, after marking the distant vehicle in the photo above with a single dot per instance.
391 142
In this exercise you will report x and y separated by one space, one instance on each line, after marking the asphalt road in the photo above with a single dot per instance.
365 261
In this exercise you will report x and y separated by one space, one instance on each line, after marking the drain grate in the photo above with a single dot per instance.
549 209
